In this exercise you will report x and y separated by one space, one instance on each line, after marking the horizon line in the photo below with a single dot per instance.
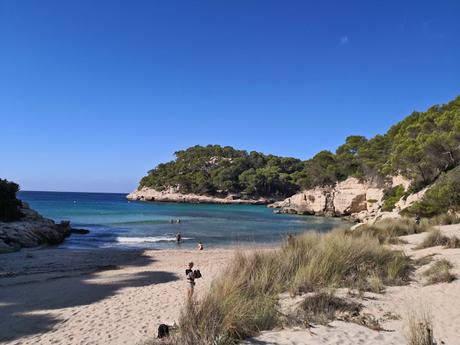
60 191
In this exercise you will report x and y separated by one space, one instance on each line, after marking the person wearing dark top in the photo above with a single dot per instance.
190 279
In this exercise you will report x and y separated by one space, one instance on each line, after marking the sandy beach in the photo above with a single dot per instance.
58 296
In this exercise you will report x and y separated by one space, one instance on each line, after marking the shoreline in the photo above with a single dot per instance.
171 195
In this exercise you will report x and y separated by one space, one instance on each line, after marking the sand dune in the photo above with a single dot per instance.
441 300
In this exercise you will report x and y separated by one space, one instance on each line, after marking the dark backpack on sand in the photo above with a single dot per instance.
163 331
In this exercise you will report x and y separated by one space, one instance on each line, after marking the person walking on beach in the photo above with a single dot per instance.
190 280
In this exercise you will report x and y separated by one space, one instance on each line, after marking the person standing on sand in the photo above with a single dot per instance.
190 280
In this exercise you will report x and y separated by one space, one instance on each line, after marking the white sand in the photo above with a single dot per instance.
49 302
56 297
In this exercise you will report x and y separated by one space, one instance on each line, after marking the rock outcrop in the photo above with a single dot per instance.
30 231
359 200
171 195
343 199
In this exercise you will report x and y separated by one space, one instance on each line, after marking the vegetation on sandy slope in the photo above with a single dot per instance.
439 272
421 147
243 300
443 196
9 205
436 238
388 230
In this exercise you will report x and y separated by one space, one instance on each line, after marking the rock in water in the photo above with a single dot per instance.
30 231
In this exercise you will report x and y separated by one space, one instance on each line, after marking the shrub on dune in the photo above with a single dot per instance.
439 272
436 238
388 230
444 219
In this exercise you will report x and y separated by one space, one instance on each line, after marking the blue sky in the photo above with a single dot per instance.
95 93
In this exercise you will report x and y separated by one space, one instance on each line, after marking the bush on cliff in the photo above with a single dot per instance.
444 196
9 205
391 197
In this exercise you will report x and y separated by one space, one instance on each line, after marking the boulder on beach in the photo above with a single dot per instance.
32 230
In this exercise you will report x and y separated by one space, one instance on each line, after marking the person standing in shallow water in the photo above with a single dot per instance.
178 237
200 246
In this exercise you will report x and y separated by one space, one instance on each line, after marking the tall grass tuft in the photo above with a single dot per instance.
436 238
419 328
439 272
443 219
242 301
339 260
324 307
388 230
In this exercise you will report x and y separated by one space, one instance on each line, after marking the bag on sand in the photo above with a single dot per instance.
197 274
163 331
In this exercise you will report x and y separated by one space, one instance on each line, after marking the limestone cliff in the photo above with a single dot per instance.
360 200
172 195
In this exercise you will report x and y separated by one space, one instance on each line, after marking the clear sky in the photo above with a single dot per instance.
95 93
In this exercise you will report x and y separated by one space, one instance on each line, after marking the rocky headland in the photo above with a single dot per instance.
33 230
172 195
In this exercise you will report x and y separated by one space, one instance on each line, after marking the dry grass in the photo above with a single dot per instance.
323 307
387 231
442 219
419 328
243 300
436 238
439 272
339 260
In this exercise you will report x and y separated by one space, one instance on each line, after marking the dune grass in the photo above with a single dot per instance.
436 238
442 219
324 307
387 231
243 300
439 272
419 328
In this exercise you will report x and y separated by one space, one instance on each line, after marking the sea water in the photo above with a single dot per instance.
114 221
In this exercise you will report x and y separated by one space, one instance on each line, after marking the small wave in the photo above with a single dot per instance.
140 222
136 240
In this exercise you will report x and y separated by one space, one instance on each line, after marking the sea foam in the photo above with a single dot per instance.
149 239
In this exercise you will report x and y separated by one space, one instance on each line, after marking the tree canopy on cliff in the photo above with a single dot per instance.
9 205
421 147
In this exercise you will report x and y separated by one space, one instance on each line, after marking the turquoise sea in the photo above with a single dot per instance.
116 222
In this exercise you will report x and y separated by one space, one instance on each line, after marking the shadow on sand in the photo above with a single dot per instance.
18 302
